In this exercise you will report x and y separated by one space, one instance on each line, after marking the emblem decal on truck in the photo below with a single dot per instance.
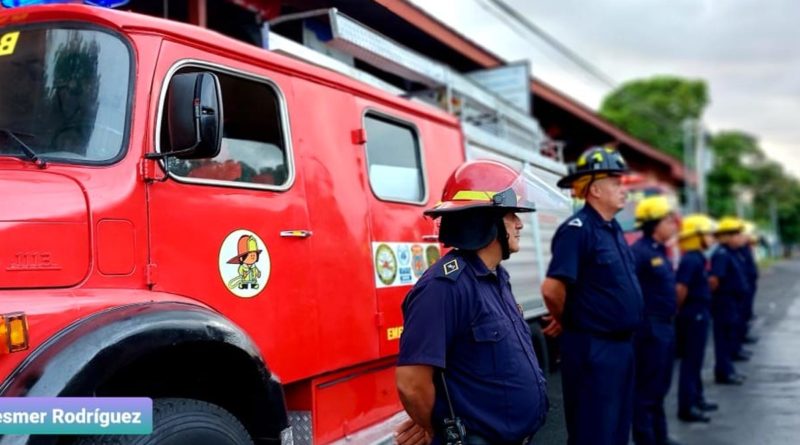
417 260
432 254
385 264
244 263
401 264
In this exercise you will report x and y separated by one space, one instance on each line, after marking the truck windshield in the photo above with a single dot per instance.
64 93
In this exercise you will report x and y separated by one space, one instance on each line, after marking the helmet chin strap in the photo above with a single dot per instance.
502 236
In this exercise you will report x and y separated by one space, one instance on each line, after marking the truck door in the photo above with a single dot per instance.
233 231
404 180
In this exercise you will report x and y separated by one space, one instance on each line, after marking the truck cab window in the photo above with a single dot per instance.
66 93
394 159
254 148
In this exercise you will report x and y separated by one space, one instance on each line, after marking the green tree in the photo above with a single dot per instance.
740 164
737 156
654 109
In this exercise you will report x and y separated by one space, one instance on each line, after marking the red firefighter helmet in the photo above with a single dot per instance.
475 199
483 184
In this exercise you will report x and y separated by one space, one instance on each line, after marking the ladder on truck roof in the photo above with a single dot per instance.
488 120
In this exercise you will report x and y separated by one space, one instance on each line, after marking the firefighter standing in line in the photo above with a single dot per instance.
592 291
462 321
747 257
729 288
654 342
694 318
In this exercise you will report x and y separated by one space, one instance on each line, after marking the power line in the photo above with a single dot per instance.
552 41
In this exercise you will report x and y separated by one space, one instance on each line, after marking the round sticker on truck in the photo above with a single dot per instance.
385 264
244 263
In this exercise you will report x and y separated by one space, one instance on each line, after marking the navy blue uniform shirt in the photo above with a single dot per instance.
749 263
693 273
656 277
729 270
592 258
462 317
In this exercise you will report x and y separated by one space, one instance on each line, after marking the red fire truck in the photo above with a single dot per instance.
222 228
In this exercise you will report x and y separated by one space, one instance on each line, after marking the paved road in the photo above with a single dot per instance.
766 410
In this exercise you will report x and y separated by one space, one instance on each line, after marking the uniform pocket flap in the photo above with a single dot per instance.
605 258
493 331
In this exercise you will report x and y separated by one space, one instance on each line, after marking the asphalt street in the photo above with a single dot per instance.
766 409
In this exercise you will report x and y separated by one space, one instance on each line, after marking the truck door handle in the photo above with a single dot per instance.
430 238
296 233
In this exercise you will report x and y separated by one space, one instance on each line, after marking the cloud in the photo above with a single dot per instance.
747 51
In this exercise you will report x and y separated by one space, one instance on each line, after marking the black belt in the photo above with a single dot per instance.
668 319
697 301
611 336
476 439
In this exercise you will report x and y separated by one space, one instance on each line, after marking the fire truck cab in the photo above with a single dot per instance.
213 225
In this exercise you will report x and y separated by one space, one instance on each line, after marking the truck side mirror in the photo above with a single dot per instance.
194 116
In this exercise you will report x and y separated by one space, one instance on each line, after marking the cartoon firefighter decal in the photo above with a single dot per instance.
252 264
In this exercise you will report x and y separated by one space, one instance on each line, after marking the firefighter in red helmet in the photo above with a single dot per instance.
465 343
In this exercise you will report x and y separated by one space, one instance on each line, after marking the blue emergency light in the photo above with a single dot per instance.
103 3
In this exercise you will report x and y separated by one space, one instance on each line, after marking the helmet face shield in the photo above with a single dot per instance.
493 186
517 197
547 198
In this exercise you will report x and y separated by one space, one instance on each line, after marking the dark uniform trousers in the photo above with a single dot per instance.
693 323
746 310
654 345
745 315
726 333
598 378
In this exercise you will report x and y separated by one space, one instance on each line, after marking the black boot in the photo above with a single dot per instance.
733 379
706 406
750 339
694 415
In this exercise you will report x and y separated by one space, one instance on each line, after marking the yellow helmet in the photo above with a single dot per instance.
696 224
729 224
750 231
652 208
693 227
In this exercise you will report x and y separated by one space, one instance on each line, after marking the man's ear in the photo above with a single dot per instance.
593 189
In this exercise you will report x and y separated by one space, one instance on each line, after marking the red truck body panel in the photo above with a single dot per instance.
77 239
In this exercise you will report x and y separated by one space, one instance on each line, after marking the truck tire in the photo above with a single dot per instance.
182 422
540 346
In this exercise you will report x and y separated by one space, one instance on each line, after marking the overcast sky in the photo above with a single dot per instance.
748 51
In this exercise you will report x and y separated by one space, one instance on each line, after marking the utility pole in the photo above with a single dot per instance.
773 214
689 136
700 166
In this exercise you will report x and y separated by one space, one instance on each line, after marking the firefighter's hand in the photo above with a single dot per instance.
409 433
553 328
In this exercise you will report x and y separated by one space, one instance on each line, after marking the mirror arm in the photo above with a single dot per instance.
197 139
159 155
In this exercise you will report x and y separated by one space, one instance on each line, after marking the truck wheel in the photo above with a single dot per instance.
181 422
540 346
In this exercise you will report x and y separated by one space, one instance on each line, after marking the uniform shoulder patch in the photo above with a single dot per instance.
575 222
450 269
